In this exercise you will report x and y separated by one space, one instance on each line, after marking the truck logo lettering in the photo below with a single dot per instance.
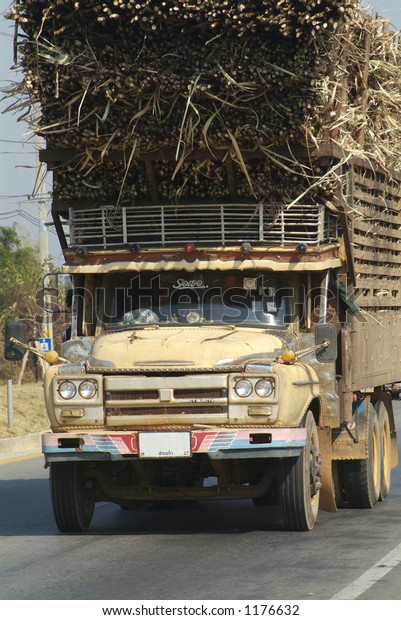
181 283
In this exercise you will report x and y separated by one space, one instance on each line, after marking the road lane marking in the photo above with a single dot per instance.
14 459
371 576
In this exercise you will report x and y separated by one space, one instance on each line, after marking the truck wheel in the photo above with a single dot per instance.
300 483
362 477
385 441
73 503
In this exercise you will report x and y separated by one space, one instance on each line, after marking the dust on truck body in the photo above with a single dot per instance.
227 350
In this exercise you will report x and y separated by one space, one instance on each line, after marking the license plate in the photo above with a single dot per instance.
164 445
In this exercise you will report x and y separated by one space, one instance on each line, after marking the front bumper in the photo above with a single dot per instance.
217 444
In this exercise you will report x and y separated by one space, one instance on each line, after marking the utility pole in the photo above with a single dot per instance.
43 240
47 323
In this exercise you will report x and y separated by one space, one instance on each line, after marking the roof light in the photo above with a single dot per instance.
134 248
189 248
301 248
81 251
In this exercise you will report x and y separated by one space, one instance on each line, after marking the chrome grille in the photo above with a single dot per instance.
205 224
190 396
188 410
132 395
206 393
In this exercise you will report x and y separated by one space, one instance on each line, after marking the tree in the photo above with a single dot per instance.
20 278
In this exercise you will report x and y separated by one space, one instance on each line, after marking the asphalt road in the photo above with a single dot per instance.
207 551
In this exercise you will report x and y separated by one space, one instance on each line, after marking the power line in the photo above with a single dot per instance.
16 141
23 200
26 216
10 196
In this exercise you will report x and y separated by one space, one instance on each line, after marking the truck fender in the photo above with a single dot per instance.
350 441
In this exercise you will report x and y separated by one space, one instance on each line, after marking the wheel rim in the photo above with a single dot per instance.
315 472
376 458
385 449
385 475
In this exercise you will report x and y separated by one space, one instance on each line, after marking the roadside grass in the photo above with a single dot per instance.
29 413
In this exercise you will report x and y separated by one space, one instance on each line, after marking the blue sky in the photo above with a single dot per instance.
17 151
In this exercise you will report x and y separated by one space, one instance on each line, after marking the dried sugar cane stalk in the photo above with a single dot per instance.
116 73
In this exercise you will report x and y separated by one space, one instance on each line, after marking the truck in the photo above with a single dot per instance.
223 346
215 354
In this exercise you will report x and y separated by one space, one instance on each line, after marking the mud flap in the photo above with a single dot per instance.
327 492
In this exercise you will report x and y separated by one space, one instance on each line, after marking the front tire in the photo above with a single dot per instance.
300 483
73 497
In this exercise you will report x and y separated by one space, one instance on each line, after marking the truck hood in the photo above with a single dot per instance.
181 347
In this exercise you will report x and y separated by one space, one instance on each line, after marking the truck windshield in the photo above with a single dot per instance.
235 298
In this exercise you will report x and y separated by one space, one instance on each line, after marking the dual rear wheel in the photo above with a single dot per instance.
385 441
367 481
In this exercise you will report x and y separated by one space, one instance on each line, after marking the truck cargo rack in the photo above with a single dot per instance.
203 224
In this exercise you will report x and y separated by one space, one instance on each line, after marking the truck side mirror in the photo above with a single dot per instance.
326 332
14 329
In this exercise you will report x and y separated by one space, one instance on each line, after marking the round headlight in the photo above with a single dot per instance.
243 388
264 388
87 389
67 390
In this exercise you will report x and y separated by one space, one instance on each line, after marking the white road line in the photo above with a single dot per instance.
371 577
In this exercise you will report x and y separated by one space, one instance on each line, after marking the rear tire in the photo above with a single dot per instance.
300 483
73 497
385 445
362 478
